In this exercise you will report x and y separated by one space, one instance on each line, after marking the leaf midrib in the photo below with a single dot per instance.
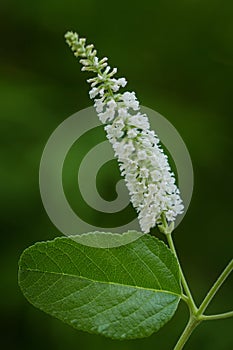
100 282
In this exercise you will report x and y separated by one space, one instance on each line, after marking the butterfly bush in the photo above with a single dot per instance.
142 162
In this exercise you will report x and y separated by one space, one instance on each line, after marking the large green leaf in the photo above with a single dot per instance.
123 293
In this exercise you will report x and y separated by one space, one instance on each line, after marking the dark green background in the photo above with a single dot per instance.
178 57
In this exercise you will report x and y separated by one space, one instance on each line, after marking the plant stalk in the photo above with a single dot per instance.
216 317
196 314
190 300
215 288
191 325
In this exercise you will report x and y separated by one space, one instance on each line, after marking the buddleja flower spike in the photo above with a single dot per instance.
142 162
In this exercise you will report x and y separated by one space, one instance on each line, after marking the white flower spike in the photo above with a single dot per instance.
142 162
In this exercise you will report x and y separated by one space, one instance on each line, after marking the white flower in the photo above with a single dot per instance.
128 96
96 61
139 121
99 105
115 87
107 116
147 173
117 83
144 173
123 112
132 133
115 130
142 154
93 92
130 100
101 92
112 104
122 82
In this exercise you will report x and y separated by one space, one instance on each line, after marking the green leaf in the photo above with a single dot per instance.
123 293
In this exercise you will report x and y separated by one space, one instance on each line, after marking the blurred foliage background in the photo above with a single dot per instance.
178 57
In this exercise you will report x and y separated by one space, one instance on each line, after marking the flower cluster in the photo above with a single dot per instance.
142 162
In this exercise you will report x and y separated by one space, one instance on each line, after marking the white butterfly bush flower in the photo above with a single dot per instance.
142 162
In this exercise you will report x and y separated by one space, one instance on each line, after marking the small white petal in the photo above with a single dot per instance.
94 92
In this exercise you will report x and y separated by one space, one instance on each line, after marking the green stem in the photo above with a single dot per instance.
215 288
191 325
189 299
216 317
196 314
